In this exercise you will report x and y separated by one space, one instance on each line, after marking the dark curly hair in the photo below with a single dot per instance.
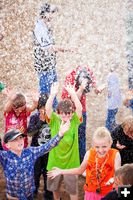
47 8
42 100
65 106
80 75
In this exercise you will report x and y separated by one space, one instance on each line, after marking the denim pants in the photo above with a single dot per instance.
40 169
110 121
46 79
82 137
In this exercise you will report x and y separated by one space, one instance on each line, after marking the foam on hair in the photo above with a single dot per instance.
128 121
102 133
19 100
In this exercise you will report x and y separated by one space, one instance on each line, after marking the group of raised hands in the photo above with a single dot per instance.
55 87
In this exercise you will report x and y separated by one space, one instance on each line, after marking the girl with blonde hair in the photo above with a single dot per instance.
100 163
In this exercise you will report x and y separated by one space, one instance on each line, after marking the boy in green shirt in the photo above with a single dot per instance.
66 155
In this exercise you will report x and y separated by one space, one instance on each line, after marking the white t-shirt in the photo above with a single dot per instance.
43 34
114 93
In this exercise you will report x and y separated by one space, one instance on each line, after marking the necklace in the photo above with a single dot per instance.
99 170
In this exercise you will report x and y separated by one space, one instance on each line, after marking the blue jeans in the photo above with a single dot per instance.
82 137
46 79
110 121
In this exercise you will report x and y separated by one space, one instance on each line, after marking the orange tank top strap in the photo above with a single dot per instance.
99 171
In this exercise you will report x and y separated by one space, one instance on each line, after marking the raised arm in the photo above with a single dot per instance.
8 106
75 99
117 161
83 85
53 93
34 97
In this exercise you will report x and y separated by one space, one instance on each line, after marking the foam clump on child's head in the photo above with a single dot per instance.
102 133
65 106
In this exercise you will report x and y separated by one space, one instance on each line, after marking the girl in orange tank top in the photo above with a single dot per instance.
100 163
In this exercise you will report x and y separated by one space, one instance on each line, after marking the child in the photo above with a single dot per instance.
83 79
100 162
64 155
122 137
16 113
113 99
45 49
18 163
39 130
123 176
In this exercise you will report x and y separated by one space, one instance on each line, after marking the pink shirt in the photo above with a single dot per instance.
70 78
12 121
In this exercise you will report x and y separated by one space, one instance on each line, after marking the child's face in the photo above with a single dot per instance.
128 131
48 17
102 146
42 110
65 117
17 144
19 109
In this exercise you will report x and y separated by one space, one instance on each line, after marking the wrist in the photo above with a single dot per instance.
60 135
81 88
111 180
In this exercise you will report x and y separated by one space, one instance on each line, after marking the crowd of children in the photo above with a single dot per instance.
58 131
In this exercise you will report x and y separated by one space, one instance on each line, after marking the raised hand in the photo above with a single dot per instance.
35 96
64 127
54 172
70 88
54 89
83 84
120 146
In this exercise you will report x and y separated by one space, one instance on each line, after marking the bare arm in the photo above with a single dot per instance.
81 88
57 171
9 104
75 99
98 90
117 161
53 93
62 49
34 105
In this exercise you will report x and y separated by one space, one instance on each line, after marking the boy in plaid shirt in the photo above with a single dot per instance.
18 162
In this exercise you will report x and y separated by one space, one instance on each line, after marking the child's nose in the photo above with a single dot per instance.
100 150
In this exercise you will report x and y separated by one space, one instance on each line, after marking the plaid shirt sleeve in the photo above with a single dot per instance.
45 148
3 157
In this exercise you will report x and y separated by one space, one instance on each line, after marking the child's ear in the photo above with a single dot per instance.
8 145
111 142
